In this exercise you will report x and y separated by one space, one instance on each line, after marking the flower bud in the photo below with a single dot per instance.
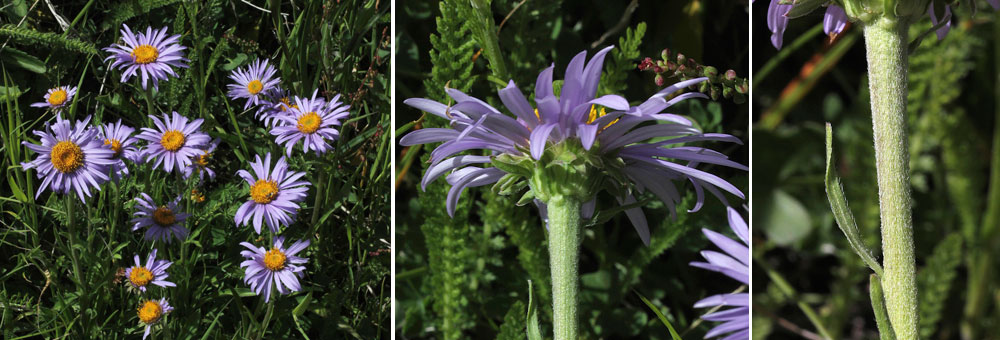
730 75
659 80
665 54
704 87
714 93
727 92
681 59
710 72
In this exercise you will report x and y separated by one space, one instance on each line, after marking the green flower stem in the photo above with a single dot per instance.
267 316
886 42
149 100
564 256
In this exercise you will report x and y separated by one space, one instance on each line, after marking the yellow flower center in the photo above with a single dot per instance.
145 54
164 216
309 122
116 146
197 196
288 104
57 97
255 86
202 160
66 157
172 140
140 276
263 191
274 259
594 114
150 312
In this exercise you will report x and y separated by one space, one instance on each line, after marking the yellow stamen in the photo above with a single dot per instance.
202 160
172 140
255 86
150 312
66 157
140 276
309 122
263 192
116 146
164 216
58 97
288 104
274 259
594 114
145 54
537 116
197 196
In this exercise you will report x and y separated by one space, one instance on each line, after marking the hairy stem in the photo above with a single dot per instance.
886 43
564 256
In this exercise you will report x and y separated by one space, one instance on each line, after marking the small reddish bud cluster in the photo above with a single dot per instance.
727 84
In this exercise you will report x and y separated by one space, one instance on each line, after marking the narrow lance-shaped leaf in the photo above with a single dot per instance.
841 211
878 306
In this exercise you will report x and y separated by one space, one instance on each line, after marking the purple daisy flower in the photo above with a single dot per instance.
201 162
277 102
163 222
119 139
777 21
278 267
253 82
312 121
835 20
70 158
151 311
274 194
174 142
943 30
153 54
607 128
57 98
735 263
154 272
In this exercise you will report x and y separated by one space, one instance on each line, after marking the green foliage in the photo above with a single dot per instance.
935 281
452 52
345 287
952 107
463 277
514 323
622 60
59 42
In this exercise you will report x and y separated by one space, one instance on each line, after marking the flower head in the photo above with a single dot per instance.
201 162
735 263
57 98
253 82
277 266
834 20
163 222
119 139
277 102
154 272
572 144
312 121
174 142
152 54
70 158
151 311
274 194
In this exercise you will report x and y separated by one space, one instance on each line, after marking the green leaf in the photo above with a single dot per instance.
303 306
804 7
663 318
878 306
842 212
934 281
21 59
533 329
